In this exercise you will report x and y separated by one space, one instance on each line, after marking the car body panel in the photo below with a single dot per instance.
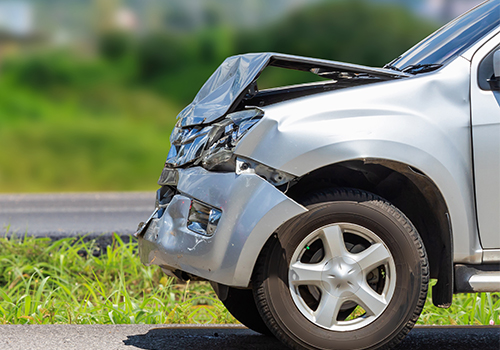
400 120
486 140
252 209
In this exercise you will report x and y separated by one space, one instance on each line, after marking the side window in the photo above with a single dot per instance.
486 70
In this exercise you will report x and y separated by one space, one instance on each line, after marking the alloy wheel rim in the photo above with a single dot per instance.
342 277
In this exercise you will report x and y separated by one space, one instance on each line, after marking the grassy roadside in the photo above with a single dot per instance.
63 282
67 282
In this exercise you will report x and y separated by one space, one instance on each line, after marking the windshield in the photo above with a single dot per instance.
452 39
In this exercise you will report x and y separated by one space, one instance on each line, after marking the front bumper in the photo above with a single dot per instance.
252 209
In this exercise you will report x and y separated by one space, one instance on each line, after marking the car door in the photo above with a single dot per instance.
485 118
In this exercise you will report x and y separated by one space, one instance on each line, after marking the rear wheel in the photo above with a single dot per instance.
351 273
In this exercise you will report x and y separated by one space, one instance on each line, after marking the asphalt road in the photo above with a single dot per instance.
154 337
61 215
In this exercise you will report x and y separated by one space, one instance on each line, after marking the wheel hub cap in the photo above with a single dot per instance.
341 277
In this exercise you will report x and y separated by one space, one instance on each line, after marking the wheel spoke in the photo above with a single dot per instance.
328 309
306 274
372 302
375 255
333 242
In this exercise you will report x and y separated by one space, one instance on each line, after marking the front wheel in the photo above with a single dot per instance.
351 273
240 303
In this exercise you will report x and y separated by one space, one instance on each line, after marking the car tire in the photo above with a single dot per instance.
351 273
241 304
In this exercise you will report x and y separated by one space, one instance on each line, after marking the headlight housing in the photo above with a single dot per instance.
224 136
210 146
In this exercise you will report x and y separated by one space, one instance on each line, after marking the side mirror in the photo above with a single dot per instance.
495 80
496 64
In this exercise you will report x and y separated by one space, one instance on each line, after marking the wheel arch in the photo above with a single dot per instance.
413 192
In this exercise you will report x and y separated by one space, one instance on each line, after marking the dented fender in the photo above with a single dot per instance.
422 121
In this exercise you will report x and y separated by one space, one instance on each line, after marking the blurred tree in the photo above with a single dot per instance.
115 45
352 31
54 70
159 54
179 20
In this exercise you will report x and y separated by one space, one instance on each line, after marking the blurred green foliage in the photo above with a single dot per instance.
350 31
66 131
71 122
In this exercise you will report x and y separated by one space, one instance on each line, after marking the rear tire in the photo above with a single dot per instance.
351 273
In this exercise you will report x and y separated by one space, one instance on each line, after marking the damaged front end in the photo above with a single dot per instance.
229 104
214 204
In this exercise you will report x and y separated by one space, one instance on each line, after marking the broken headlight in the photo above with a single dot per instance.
209 146
224 136
187 145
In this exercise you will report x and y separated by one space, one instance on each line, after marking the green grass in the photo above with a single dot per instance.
467 309
62 282
44 282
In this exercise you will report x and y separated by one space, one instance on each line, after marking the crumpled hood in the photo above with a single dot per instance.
234 76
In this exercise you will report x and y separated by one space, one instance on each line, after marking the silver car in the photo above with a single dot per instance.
320 211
